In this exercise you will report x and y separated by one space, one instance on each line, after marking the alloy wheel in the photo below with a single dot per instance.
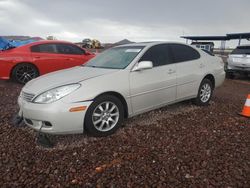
105 116
25 73
205 92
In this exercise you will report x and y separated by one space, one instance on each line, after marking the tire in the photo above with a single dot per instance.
98 121
205 93
230 75
24 72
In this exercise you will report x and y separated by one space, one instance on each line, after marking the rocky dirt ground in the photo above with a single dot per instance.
177 146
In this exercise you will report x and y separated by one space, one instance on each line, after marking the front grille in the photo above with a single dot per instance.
27 96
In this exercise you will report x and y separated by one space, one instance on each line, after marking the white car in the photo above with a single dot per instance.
119 83
239 62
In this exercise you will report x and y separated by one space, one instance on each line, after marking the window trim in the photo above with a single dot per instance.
55 45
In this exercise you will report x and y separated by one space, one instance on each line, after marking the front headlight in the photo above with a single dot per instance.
56 94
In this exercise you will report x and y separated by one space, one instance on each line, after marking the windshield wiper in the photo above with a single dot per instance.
94 66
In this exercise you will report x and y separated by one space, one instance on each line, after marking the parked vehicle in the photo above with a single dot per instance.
119 83
239 62
32 60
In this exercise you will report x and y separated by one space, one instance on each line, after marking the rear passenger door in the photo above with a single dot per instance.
190 70
157 86
71 54
45 57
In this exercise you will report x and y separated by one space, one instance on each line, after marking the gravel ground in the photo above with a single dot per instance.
180 145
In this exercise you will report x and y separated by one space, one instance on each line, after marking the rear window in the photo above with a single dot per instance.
241 50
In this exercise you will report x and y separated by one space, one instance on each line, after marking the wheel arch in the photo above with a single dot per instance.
211 78
120 97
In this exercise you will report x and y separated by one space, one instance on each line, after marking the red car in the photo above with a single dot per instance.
29 61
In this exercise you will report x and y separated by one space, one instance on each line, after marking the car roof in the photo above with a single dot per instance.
151 43
49 41
27 46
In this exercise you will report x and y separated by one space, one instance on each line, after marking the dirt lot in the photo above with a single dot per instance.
177 146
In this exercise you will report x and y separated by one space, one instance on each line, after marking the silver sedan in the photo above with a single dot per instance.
119 83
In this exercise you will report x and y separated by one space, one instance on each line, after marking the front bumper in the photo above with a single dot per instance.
54 118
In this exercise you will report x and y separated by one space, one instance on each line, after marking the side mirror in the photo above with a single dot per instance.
143 65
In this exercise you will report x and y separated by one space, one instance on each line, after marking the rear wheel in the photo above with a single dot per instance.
205 93
104 116
24 72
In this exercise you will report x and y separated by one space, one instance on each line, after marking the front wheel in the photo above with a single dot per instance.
205 93
104 116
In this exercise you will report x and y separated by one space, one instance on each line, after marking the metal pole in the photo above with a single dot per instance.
223 43
239 41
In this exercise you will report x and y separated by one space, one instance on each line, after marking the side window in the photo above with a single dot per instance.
159 55
44 48
184 53
69 49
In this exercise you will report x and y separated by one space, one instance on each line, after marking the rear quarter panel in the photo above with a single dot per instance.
10 58
215 67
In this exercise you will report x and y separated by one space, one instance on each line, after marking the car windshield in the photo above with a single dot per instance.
242 50
115 58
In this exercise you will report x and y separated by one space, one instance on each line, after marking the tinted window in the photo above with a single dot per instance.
242 50
44 48
159 55
184 53
69 49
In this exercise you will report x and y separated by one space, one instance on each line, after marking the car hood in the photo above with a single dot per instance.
64 77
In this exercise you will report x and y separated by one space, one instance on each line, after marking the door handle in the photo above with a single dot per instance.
37 57
70 59
171 71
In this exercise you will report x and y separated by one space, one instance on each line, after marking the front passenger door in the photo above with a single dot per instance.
157 86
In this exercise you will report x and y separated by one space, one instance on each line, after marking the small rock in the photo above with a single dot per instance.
188 176
74 181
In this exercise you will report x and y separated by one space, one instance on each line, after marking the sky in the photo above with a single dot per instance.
114 20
